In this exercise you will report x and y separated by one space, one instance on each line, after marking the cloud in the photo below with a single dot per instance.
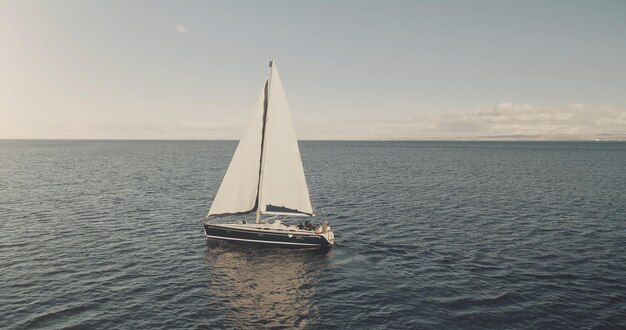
524 119
504 120
180 28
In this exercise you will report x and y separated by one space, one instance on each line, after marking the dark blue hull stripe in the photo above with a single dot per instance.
272 239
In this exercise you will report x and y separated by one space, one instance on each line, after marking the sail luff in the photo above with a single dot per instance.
266 102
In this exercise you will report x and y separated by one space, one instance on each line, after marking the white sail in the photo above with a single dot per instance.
238 191
283 187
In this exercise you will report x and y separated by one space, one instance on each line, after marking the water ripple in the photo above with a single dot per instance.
106 234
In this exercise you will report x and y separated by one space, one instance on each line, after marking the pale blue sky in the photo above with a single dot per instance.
351 69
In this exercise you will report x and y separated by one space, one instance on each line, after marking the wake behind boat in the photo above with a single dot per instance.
266 177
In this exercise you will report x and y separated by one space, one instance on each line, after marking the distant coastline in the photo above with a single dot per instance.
536 137
503 138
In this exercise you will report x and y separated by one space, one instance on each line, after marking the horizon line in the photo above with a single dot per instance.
477 139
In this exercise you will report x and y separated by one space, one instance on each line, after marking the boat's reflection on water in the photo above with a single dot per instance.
264 287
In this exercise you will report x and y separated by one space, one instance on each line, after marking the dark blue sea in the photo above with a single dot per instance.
430 235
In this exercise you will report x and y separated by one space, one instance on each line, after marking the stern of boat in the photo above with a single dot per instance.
327 234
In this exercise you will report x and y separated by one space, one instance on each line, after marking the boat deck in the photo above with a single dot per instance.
263 227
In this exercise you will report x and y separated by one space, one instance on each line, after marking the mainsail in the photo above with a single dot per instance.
284 189
266 172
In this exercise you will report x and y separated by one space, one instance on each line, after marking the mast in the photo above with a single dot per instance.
263 142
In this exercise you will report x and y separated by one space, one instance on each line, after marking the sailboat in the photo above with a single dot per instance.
266 177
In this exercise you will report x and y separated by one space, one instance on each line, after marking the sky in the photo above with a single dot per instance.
355 70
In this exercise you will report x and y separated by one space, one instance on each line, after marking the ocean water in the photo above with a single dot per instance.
108 235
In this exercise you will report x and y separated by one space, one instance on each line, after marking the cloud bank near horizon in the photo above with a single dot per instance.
505 120
524 119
